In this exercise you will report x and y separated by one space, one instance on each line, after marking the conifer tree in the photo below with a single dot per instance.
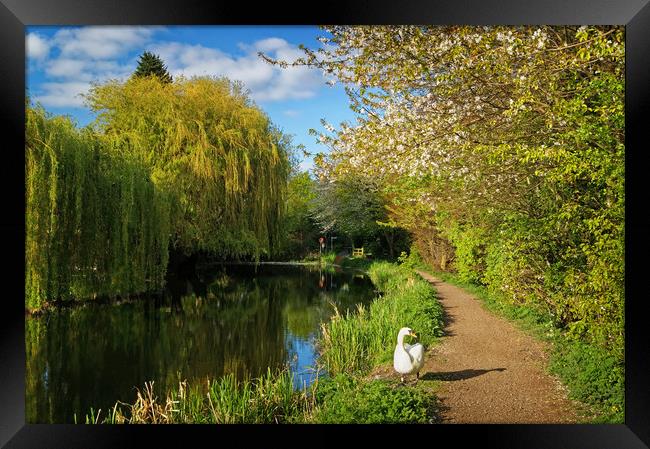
151 64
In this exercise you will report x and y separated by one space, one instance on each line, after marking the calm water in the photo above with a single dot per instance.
231 319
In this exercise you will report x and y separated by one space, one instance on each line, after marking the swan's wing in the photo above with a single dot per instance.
402 360
416 352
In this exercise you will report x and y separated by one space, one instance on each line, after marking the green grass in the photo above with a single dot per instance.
593 376
327 258
359 263
270 398
356 342
344 399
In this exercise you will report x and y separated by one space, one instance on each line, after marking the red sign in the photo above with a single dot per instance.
322 239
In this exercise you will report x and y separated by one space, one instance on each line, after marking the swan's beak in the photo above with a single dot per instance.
413 334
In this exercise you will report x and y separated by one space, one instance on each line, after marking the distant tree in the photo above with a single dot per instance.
151 64
300 227
355 207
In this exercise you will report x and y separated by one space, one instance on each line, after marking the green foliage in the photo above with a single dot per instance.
346 400
412 260
219 154
352 204
151 65
356 342
507 167
354 207
593 376
327 258
301 230
190 162
96 225
469 249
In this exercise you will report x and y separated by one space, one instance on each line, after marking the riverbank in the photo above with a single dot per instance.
49 306
351 346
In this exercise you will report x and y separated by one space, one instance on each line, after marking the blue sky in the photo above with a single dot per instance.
63 61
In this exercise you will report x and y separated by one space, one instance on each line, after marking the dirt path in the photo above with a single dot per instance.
490 371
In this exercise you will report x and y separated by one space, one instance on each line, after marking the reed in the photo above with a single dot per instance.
271 398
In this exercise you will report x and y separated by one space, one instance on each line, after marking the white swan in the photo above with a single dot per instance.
408 359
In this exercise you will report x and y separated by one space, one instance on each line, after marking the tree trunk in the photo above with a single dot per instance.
390 240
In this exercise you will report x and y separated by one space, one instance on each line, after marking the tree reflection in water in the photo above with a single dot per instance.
226 319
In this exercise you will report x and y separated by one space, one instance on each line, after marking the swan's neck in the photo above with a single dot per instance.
400 341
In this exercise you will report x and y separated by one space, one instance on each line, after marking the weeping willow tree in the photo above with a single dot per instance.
206 142
190 163
95 223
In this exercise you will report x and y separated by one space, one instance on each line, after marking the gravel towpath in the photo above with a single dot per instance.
489 370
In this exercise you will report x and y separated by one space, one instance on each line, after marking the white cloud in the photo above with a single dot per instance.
64 94
291 113
271 44
37 46
85 55
77 69
266 82
74 78
66 68
101 42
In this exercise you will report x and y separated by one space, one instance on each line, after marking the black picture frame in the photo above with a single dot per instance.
16 14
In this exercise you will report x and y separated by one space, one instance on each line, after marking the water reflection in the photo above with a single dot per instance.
232 319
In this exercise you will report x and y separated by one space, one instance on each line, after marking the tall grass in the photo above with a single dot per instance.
354 343
344 399
270 398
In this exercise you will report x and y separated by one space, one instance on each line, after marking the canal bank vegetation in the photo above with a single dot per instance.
356 342
350 346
